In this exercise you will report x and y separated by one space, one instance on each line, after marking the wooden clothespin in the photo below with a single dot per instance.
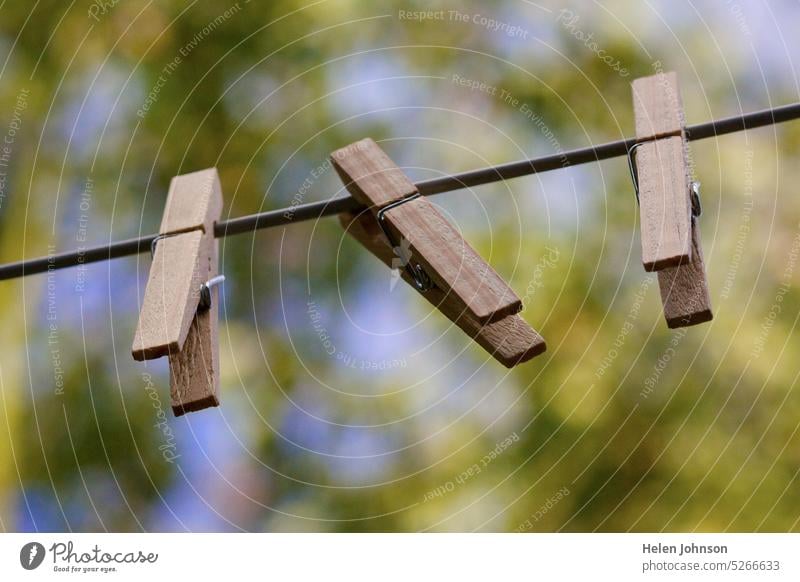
438 261
179 313
669 202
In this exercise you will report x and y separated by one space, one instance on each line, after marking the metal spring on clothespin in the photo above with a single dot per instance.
205 292
157 238
422 280
694 186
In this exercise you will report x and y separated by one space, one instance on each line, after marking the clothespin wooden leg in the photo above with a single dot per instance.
509 340
173 321
668 213
684 290
438 261
194 371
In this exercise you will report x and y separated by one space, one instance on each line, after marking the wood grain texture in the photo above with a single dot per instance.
194 202
170 298
664 203
657 106
370 175
510 340
670 234
452 264
194 371
684 289
172 293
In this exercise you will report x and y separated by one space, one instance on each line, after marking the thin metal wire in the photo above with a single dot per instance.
315 210
633 170
157 238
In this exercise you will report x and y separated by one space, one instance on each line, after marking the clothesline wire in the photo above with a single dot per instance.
315 210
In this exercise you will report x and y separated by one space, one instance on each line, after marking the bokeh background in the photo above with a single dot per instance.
347 403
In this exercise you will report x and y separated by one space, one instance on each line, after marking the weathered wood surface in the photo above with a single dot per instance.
169 323
470 283
510 340
664 203
684 289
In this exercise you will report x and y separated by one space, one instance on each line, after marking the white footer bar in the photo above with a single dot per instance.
402 557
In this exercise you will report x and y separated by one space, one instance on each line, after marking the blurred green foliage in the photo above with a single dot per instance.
609 435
